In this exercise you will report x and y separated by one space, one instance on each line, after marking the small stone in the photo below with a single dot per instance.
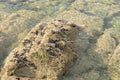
52 41
36 32
42 33
38 42
53 32
52 53
44 77
17 78
63 30
58 46
27 43
26 50
73 25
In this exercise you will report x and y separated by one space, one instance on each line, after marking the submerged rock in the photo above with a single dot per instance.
17 17
42 51
114 63
46 53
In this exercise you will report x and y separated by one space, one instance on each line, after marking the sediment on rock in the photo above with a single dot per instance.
45 54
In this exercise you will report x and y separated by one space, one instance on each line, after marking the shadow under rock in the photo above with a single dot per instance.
90 65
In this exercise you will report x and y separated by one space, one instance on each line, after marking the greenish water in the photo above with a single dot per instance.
17 17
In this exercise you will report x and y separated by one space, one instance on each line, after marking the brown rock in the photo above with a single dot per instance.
46 57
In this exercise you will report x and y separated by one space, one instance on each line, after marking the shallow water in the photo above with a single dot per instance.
17 17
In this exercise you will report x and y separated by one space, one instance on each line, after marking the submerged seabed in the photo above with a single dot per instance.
101 17
17 17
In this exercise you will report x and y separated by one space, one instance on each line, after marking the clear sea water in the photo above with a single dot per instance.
17 17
